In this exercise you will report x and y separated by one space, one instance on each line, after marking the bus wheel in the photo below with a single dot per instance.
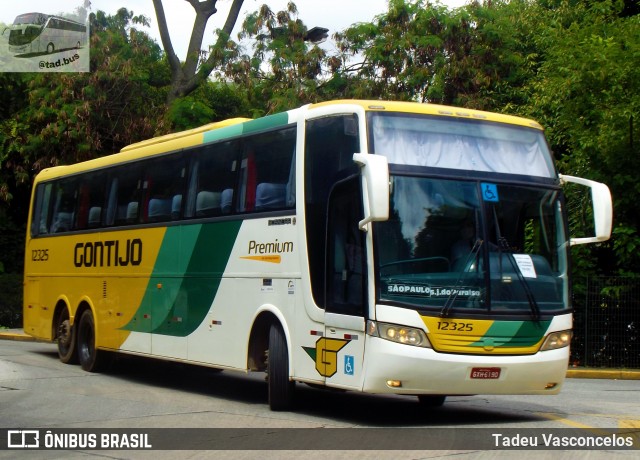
431 400
281 389
50 48
66 337
89 356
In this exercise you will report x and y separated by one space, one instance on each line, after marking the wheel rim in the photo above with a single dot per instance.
64 333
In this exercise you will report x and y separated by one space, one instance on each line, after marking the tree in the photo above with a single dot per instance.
187 76
587 92
286 69
422 51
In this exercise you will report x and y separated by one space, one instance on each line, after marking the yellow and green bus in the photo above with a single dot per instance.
381 247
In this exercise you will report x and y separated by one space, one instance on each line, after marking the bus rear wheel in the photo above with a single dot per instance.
90 357
431 400
66 338
281 389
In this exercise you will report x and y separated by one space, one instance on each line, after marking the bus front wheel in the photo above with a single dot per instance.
281 389
89 356
66 338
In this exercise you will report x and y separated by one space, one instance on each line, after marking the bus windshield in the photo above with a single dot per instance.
470 244
25 35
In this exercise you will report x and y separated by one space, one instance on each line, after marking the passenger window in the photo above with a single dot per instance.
91 201
64 209
40 217
267 172
163 188
125 189
213 180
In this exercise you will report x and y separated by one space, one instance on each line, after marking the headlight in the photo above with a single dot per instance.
399 334
557 340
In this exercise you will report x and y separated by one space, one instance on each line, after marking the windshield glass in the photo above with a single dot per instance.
452 245
467 144
23 36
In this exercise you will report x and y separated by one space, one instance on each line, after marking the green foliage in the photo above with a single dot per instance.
587 92
210 102
11 300
62 118
284 70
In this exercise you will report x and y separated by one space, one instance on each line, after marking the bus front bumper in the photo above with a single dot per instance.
395 368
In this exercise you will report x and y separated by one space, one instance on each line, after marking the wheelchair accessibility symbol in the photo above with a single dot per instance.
490 192
349 362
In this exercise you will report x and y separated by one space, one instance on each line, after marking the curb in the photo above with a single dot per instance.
574 373
611 374
16 334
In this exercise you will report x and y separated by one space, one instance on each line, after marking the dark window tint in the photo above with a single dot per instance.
329 148
267 172
214 176
163 187
64 206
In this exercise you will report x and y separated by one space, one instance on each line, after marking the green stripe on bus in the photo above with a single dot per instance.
261 124
514 333
185 279
222 133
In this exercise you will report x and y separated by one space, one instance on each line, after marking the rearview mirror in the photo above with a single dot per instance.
602 209
375 174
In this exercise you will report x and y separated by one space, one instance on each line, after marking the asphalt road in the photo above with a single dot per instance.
38 391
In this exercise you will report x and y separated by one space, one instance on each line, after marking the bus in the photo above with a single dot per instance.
43 33
379 247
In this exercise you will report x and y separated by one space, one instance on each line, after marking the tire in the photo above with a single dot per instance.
281 389
50 48
431 400
90 358
66 338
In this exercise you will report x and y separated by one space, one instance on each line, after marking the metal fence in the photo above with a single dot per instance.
607 324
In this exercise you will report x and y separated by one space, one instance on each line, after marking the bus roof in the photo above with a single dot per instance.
434 109
181 134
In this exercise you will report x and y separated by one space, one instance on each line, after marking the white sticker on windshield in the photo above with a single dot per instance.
525 264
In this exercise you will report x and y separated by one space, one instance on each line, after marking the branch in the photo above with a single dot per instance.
174 62
209 64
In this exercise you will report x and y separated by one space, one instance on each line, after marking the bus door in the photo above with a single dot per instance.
346 300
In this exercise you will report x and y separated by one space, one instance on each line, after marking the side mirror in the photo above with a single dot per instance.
602 209
375 174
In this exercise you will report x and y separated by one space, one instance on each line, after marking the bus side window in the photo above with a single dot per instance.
124 195
91 201
63 217
267 180
165 180
330 143
41 208
213 179
346 268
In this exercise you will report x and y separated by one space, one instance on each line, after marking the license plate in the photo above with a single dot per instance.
485 373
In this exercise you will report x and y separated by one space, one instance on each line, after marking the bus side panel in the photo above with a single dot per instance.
258 275
109 270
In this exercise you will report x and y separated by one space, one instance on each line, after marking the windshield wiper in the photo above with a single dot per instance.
505 248
467 267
